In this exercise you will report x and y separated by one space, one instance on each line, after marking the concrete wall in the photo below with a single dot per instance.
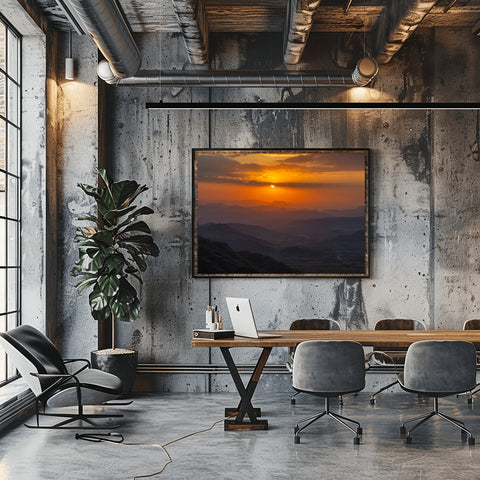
77 149
424 189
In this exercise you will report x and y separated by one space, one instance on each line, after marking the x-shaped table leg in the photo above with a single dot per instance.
245 406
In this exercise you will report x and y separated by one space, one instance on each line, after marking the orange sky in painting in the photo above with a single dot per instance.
316 180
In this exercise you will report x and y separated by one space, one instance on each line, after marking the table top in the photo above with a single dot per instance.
291 338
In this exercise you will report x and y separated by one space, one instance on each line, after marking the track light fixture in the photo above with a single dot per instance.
69 70
365 71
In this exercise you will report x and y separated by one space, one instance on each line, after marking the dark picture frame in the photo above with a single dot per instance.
280 212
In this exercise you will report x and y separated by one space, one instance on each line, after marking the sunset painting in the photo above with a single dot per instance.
280 213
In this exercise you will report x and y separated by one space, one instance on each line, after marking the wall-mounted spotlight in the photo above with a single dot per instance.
69 70
365 71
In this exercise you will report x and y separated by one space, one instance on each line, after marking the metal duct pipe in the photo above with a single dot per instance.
191 78
105 23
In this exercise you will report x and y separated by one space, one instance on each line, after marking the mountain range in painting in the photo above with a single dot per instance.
321 245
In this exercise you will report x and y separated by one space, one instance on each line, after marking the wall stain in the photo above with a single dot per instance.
276 128
136 339
349 305
416 155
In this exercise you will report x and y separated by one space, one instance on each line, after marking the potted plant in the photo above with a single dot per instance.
112 254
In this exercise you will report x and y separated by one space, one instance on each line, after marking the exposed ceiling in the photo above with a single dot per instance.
390 21
269 15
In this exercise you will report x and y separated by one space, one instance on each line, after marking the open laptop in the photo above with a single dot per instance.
242 319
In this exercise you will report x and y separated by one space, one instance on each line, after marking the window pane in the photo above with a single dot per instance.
12 289
3 199
3 361
3 291
12 58
12 197
10 135
12 251
2 46
2 143
3 92
12 102
12 320
3 241
13 153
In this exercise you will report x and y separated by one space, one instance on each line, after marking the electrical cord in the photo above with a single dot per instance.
118 439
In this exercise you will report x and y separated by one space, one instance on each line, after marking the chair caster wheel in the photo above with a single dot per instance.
403 430
292 401
471 441
356 441
372 401
360 431
296 439
408 440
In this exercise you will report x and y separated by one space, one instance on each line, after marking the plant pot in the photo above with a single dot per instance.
119 362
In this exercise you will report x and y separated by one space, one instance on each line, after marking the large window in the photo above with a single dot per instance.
10 109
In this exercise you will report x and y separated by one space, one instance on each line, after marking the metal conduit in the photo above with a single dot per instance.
105 23
237 79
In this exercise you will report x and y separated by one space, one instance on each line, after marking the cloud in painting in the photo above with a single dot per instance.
256 168
326 161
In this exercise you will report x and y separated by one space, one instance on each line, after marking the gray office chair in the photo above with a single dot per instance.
45 372
394 355
472 324
328 369
438 368
309 324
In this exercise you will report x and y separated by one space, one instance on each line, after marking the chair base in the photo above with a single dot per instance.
71 418
423 418
373 397
339 418
293 398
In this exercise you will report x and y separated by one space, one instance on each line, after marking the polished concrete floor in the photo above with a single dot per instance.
326 450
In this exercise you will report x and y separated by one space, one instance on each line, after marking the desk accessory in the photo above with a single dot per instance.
215 335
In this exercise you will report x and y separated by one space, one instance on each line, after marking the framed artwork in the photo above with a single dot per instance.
280 213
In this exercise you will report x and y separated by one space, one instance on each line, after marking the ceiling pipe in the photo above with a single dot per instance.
203 78
105 23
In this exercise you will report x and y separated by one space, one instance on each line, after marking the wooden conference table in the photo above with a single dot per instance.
291 338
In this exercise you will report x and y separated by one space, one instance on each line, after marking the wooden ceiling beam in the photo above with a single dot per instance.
395 25
192 20
297 29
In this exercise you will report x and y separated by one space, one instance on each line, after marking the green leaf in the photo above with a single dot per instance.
114 213
97 300
137 213
82 285
104 238
114 263
139 260
103 174
109 285
126 313
88 217
125 192
126 293
140 226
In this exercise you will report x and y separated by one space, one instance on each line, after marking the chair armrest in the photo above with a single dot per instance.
81 369
71 360
61 378
369 356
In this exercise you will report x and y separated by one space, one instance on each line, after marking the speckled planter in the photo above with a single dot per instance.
119 362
